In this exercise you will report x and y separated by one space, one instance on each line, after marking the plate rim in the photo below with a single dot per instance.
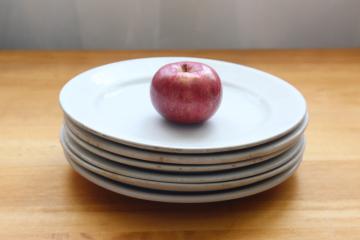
187 187
175 158
152 195
144 174
169 167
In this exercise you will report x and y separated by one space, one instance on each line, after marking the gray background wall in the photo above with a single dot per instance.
156 24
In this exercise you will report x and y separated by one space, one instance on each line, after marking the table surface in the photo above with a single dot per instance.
41 197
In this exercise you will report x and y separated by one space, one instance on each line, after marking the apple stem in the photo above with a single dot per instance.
184 67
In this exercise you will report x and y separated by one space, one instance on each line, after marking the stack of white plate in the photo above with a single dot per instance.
114 137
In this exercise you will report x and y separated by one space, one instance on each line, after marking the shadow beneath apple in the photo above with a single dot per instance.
178 133
207 221
186 127
200 130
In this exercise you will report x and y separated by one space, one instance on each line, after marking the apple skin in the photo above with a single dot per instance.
186 92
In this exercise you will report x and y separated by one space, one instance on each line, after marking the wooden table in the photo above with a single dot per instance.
41 197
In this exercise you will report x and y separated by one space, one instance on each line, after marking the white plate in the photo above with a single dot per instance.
185 187
72 139
178 197
113 101
171 177
263 152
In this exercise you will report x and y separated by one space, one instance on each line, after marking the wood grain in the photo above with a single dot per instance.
42 198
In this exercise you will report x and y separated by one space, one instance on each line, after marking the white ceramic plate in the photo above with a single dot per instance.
178 197
261 152
221 176
113 101
185 187
72 139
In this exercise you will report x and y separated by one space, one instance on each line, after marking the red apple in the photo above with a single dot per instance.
186 92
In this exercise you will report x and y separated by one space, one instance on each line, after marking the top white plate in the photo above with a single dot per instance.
113 101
